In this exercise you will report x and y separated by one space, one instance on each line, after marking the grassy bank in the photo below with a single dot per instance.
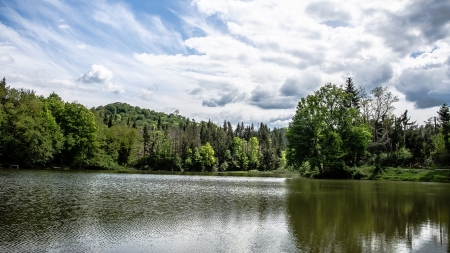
403 174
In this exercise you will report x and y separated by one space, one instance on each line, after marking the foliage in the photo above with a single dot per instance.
334 132
207 154
326 132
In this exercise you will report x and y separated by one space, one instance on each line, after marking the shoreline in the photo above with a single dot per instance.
438 175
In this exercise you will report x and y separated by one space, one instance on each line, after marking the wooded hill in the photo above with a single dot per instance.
39 131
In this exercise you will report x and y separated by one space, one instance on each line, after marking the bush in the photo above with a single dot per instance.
403 156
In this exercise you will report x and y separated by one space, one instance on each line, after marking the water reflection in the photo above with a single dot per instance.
354 216
92 212
86 212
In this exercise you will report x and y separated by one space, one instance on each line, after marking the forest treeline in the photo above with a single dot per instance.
37 131
337 128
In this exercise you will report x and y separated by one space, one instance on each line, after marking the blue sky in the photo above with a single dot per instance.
247 61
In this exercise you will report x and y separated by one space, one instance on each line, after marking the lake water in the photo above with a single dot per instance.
45 211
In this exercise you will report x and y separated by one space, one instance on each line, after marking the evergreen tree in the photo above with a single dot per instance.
354 93
444 118
2 90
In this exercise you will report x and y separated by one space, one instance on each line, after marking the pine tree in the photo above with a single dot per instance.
350 89
444 118
2 90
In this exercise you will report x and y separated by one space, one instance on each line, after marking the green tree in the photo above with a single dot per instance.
325 132
3 90
207 154
79 128
353 92
444 118
254 153
240 159
29 134
146 137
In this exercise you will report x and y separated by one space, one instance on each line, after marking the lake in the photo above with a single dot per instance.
65 211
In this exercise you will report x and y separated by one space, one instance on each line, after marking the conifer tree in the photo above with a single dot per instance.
444 118
350 89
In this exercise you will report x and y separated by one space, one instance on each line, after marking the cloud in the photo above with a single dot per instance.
329 11
97 74
64 27
81 46
300 86
253 59
6 58
371 74
264 98
425 87
115 88
418 23
196 91
229 94
146 95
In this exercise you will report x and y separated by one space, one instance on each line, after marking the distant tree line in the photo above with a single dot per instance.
37 131
333 130
173 142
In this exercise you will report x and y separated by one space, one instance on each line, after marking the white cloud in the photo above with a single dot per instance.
115 88
146 95
81 46
64 27
97 74
5 58
244 58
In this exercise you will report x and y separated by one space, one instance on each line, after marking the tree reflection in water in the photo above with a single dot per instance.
368 216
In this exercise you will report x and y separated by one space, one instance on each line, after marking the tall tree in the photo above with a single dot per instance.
79 128
444 118
146 137
2 90
325 132
353 93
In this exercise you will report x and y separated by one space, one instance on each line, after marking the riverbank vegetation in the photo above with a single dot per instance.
337 132
339 129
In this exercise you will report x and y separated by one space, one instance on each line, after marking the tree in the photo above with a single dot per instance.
254 153
444 118
325 132
146 137
29 134
110 121
240 160
354 93
3 90
79 129
207 153
380 116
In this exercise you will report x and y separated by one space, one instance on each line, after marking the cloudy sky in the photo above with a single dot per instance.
242 60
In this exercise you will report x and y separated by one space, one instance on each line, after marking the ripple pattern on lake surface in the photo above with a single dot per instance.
46 211
85 212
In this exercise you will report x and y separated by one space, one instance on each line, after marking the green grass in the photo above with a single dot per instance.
403 174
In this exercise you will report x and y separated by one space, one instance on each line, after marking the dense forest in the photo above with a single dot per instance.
337 128
37 131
